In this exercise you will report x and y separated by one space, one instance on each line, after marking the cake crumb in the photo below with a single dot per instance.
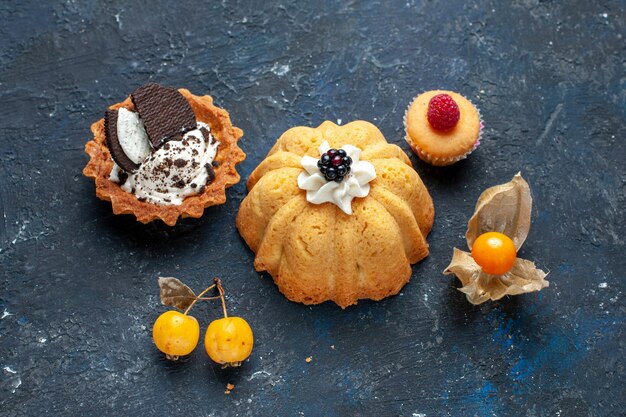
229 388
309 359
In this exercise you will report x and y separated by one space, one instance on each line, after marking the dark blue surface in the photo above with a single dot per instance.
78 291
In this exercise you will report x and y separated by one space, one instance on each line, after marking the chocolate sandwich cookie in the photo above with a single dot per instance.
126 138
113 143
164 111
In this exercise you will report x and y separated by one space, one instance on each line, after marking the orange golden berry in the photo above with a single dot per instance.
494 252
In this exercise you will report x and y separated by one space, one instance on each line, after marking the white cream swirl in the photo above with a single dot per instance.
178 169
355 184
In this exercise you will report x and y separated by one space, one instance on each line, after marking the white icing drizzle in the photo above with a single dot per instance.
355 184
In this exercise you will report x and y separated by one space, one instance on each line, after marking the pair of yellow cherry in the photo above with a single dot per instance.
228 341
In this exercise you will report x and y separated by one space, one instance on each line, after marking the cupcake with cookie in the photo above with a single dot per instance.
163 154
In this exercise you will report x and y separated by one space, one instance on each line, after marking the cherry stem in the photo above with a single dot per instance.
198 297
220 289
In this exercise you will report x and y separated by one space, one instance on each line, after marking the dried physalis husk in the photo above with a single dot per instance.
479 287
175 294
506 209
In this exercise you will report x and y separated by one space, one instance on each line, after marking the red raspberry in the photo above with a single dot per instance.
443 112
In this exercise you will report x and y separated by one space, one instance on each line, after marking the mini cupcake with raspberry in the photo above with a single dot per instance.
442 127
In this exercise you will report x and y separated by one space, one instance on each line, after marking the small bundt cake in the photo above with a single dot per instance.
336 213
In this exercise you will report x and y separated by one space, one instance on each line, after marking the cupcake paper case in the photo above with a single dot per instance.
224 164
441 148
